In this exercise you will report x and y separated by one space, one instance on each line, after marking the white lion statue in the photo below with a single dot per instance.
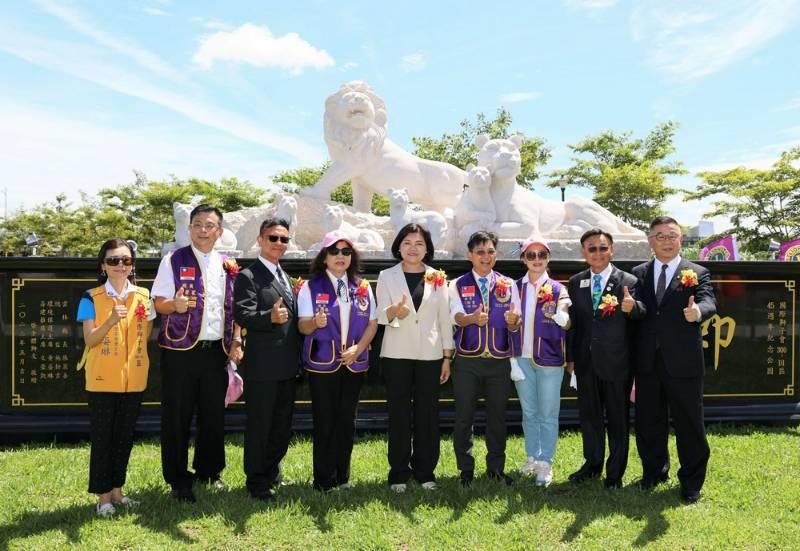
400 215
355 133
524 213
364 239
475 209
287 210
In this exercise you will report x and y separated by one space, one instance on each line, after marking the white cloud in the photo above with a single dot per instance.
687 39
516 97
259 47
214 24
590 4
155 11
413 62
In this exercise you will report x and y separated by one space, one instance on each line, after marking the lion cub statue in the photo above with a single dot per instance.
364 239
475 209
400 215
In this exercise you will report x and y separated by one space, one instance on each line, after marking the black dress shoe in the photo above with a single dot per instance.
586 472
500 476
262 496
466 478
185 495
648 483
690 496
612 483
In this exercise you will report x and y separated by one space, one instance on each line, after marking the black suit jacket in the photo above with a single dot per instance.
665 326
272 351
598 343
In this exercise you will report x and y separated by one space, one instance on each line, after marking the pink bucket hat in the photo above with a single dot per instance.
534 240
335 236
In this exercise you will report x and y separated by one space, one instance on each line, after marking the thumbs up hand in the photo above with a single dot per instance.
628 302
480 318
401 309
181 301
279 312
119 311
692 311
321 318
512 316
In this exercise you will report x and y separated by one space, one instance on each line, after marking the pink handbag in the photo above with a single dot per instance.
235 384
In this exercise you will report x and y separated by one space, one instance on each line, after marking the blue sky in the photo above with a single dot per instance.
90 90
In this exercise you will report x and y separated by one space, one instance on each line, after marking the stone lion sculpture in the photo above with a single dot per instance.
475 209
364 239
523 212
182 212
355 126
287 210
400 215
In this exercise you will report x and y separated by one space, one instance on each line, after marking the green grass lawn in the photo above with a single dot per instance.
751 501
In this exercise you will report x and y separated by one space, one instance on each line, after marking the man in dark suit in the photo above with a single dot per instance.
603 304
265 307
669 361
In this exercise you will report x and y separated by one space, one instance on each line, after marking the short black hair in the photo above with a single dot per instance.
200 209
481 236
406 231
596 231
660 220
101 256
318 264
272 221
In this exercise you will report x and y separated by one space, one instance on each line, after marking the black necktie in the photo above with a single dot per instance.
286 287
661 287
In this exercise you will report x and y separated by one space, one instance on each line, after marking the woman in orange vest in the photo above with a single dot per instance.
116 319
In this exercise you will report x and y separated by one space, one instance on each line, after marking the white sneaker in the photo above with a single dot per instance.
544 475
399 488
530 467
429 485
345 486
128 502
105 510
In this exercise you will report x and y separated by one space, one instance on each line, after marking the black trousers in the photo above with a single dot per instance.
470 377
269 406
412 396
112 419
599 400
334 401
193 380
658 395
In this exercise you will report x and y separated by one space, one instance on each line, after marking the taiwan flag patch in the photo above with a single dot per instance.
321 299
468 291
187 273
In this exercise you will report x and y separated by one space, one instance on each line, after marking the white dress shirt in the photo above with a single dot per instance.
305 307
672 267
455 300
531 298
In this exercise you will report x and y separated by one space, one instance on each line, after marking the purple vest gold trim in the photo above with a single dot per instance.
547 337
182 331
493 340
322 349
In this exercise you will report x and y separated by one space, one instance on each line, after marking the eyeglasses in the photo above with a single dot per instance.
484 252
533 255
115 260
666 236
594 248
333 251
207 227
283 238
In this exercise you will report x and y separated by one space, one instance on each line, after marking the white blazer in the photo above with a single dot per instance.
423 334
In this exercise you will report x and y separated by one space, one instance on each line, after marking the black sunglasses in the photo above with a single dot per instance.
115 260
284 238
533 255
333 251
594 249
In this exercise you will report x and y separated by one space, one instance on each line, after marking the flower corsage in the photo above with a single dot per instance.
608 304
363 289
502 286
688 278
437 278
140 312
230 266
545 293
297 284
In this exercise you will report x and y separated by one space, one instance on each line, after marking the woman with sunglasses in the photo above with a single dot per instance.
540 367
416 353
116 317
336 311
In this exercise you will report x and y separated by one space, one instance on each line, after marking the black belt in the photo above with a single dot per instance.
207 344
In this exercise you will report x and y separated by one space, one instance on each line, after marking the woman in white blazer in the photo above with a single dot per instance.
416 353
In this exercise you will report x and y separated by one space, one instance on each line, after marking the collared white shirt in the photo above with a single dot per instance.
531 298
123 296
455 300
672 267
273 268
305 308
213 275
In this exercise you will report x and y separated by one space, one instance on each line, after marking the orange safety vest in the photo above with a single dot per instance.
119 362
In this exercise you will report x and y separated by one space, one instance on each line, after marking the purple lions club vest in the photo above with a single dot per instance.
547 337
182 331
493 340
322 349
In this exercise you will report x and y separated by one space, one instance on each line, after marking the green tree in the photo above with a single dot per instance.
627 174
762 204
459 148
